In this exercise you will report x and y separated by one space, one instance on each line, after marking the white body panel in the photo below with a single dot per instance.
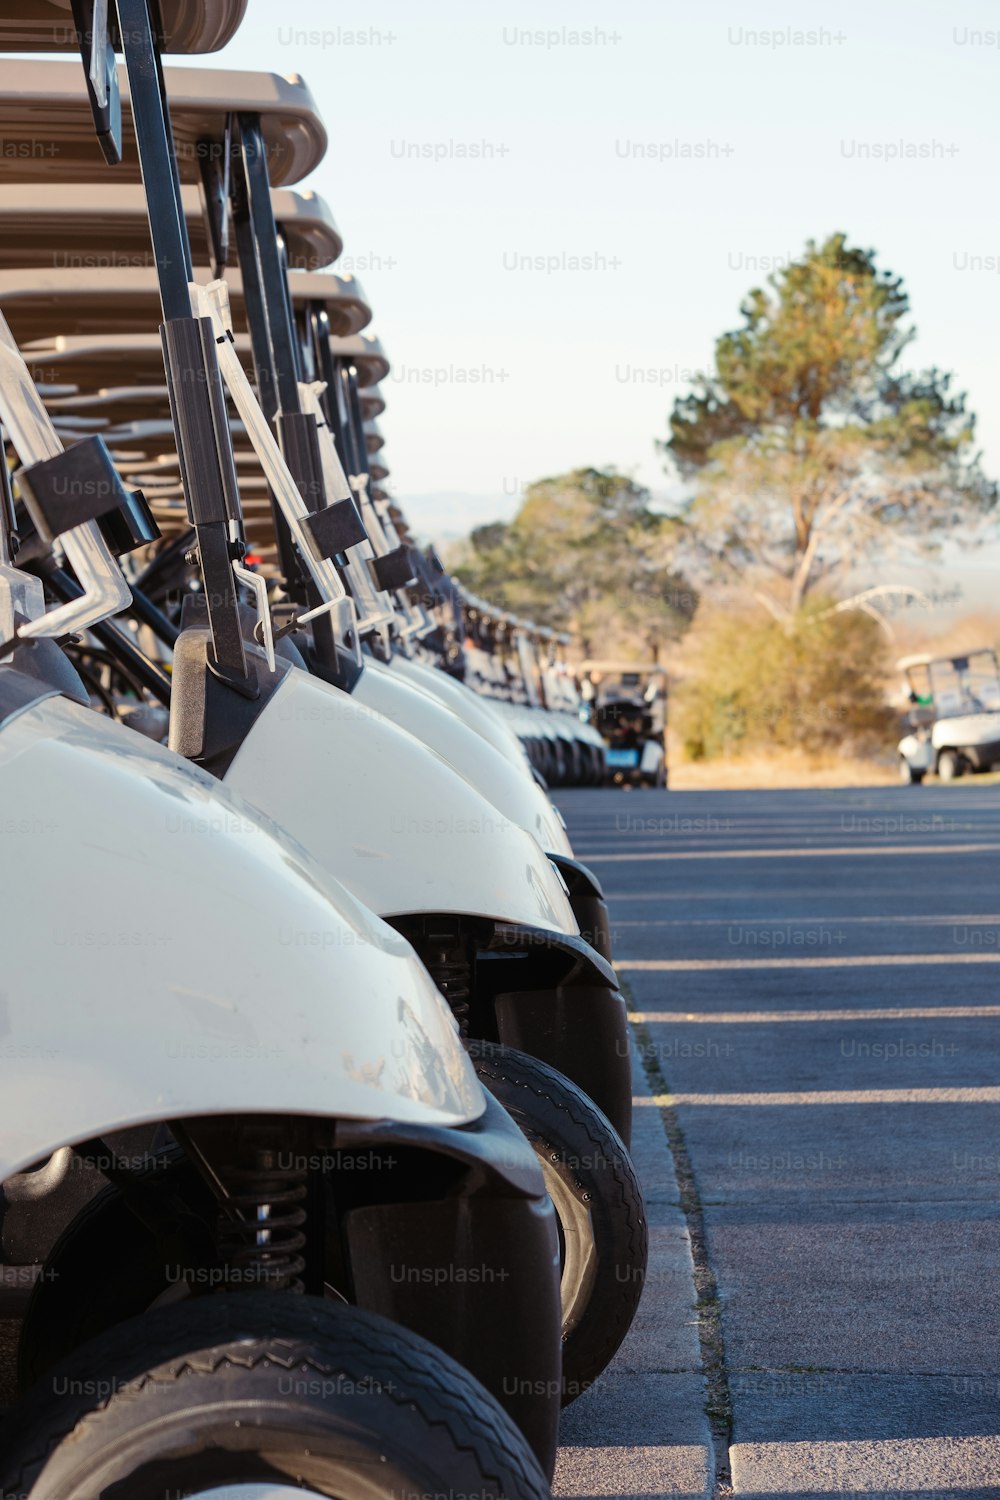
966 729
503 784
651 759
168 952
475 711
387 815
960 732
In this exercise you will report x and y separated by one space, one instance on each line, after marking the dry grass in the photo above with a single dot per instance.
779 768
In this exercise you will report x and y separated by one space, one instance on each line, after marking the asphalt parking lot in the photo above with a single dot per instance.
815 979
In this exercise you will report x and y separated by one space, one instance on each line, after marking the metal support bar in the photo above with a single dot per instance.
117 641
203 445
215 175
276 359
158 164
350 377
147 613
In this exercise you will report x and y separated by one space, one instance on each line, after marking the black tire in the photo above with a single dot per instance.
908 774
603 1233
266 1389
949 765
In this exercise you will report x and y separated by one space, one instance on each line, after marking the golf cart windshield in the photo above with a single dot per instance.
965 684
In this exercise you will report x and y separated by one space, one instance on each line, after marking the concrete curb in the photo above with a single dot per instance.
641 1430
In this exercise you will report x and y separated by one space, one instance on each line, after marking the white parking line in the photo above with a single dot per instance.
820 852
890 1013
989 1094
842 961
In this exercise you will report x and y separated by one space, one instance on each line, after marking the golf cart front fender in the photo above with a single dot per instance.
558 999
918 751
169 952
587 900
476 711
386 815
476 1270
495 775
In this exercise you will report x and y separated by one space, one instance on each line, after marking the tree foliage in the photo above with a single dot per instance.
588 554
810 447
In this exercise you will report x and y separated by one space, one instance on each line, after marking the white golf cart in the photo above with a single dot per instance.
954 715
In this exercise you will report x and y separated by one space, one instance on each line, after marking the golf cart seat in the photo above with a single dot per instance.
75 228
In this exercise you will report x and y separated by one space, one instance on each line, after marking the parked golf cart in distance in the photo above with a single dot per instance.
629 708
954 714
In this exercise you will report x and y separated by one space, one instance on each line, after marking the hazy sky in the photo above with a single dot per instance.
555 208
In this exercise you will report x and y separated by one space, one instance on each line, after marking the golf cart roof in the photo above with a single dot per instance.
41 303
372 400
91 362
123 403
925 659
48 132
71 226
611 666
188 25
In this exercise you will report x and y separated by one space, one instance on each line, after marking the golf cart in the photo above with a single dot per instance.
629 706
954 715
322 714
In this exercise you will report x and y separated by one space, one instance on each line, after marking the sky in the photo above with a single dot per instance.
556 208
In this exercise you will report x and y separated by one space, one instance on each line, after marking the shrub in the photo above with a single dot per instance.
815 684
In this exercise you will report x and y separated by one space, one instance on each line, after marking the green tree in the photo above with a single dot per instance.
588 554
810 448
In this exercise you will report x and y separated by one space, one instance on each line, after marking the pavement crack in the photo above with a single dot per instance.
718 1404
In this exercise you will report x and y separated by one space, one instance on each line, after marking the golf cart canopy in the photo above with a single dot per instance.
74 227
965 683
189 26
44 303
128 403
47 129
91 362
372 401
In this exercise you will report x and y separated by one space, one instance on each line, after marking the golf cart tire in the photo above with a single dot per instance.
597 1198
949 765
908 774
267 1389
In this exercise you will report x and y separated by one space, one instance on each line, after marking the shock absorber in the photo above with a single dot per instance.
446 959
262 1237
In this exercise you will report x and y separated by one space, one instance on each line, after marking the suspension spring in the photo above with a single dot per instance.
262 1241
447 962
